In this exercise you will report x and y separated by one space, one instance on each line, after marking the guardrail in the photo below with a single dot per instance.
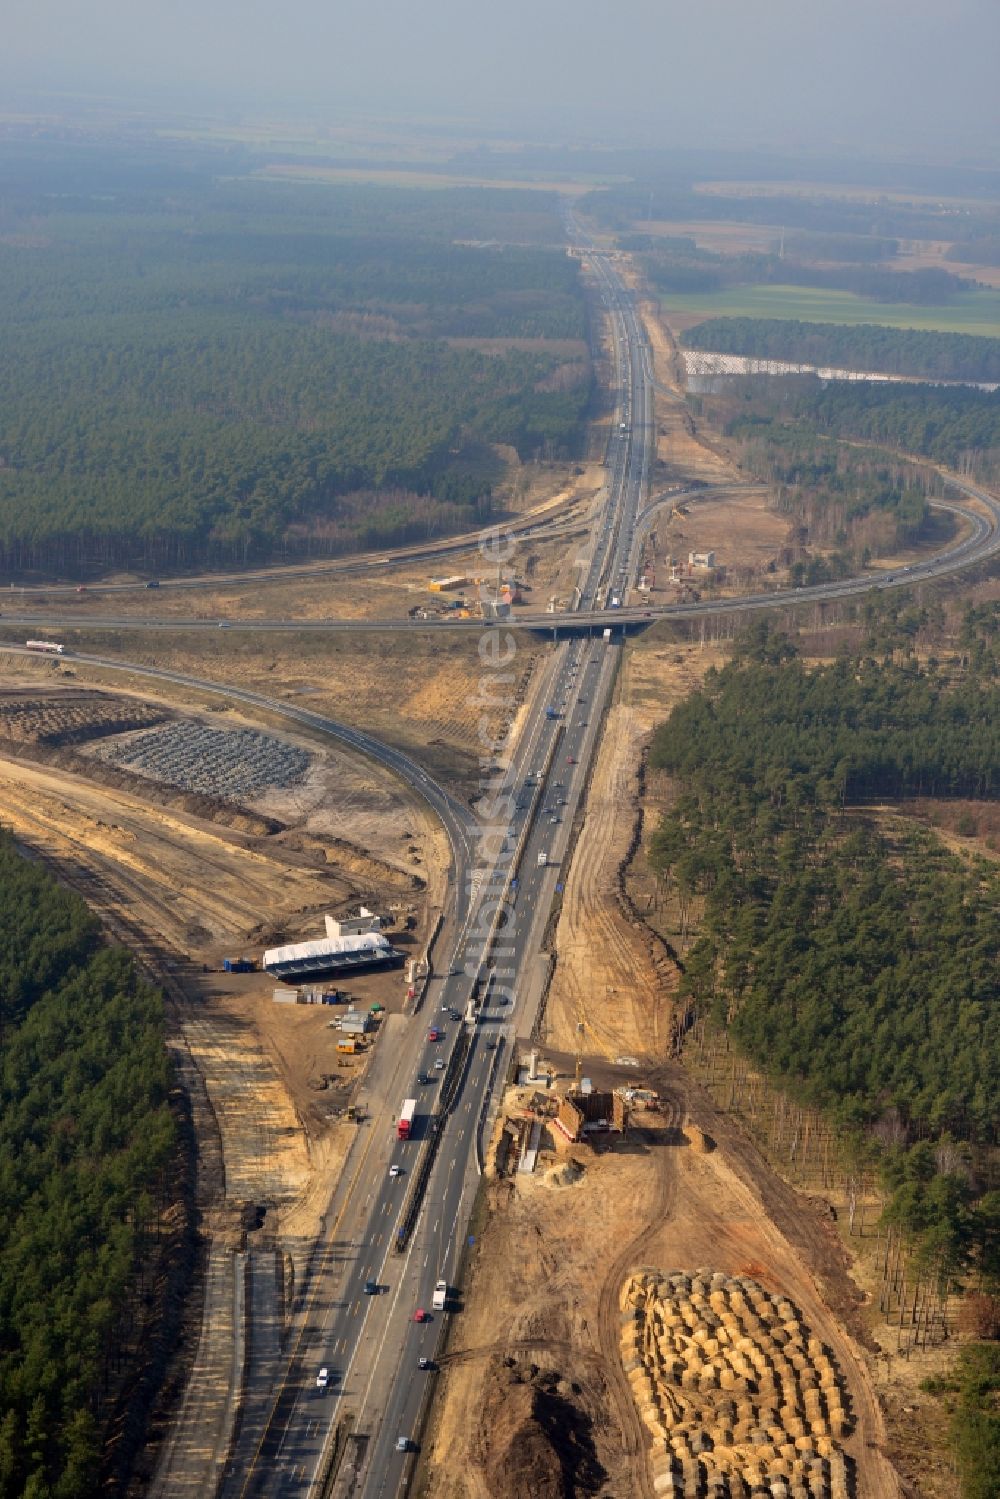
450 1084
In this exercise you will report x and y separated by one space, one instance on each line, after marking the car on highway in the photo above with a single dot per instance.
422 1077
371 1287
570 759
425 1363
439 1062
455 1014
420 1315
553 819
433 1034
323 1378
402 1444
395 1170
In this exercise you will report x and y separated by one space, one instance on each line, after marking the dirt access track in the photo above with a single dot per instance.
548 1269
185 888
545 1407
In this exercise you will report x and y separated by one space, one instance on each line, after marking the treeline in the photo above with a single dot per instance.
957 427
866 347
778 421
43 181
218 442
664 197
702 271
853 962
859 503
203 372
982 250
972 1395
85 1133
423 287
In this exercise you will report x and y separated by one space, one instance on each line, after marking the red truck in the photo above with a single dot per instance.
406 1119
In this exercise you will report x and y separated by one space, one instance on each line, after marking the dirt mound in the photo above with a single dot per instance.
533 1442
72 717
566 1174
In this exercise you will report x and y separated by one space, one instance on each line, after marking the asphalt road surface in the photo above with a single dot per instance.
629 462
369 1339
505 873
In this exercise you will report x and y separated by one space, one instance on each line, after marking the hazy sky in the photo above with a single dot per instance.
785 72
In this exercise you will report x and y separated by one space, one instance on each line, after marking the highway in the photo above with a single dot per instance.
369 1338
506 868
981 542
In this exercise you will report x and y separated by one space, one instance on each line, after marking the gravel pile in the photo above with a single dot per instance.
231 764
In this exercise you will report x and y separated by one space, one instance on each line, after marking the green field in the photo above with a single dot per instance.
970 312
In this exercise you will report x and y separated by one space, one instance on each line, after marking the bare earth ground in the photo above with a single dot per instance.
429 695
550 1259
188 892
548 493
550 1277
611 974
548 1269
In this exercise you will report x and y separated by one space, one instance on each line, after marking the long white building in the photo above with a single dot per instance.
330 955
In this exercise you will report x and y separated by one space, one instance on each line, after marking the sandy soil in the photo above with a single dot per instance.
618 987
183 892
746 535
432 696
552 1285
611 973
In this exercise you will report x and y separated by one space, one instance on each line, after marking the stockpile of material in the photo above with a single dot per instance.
740 1399
227 763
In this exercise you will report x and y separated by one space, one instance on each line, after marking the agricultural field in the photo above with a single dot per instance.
975 311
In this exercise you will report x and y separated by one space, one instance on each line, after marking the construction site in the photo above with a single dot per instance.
647 1308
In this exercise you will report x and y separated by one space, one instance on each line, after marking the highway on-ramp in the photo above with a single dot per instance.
980 542
368 1337
385 1243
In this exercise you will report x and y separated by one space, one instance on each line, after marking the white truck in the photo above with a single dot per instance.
439 1300
543 859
